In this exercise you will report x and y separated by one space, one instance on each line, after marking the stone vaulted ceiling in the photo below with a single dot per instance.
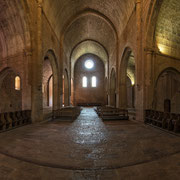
77 20
12 28
61 11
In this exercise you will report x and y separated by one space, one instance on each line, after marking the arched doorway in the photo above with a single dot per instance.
113 88
50 92
66 88
127 80
168 100
130 93
47 84
50 83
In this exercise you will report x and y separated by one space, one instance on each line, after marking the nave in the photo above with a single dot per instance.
89 148
121 56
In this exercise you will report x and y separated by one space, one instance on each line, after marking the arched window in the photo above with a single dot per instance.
94 81
17 83
84 81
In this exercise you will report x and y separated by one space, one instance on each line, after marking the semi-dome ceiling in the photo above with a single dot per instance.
89 47
168 28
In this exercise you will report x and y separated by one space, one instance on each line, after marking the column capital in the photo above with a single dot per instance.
137 1
39 2
149 50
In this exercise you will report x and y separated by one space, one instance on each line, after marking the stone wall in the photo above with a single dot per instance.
89 94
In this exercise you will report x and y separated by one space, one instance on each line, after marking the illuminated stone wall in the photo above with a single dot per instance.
168 28
89 94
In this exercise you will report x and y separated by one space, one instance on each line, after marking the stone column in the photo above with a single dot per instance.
139 104
26 87
37 66
149 85
61 73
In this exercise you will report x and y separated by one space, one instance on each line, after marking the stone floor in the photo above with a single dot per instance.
89 149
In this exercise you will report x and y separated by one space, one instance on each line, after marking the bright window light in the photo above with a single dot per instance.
89 64
94 81
84 81
17 83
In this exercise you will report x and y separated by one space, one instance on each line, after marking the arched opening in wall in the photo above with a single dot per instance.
17 83
10 91
86 47
130 93
89 77
127 78
66 89
169 99
113 88
106 91
50 92
47 84
50 84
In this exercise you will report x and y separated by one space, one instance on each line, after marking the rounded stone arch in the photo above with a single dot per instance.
151 21
170 69
168 100
95 22
86 90
11 97
89 46
112 88
164 66
85 12
158 37
52 62
126 72
66 87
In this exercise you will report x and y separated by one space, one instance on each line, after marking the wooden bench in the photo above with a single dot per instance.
104 109
10 120
111 113
173 122
169 121
68 113
118 114
176 124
